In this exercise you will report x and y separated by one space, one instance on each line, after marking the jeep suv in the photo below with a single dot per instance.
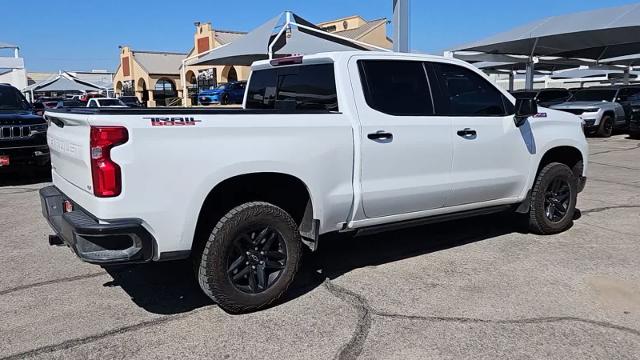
23 135
603 108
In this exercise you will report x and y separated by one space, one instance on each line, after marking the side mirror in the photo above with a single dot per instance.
525 108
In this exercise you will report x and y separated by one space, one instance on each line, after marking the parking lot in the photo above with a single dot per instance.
467 289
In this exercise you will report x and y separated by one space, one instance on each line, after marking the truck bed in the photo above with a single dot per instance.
182 111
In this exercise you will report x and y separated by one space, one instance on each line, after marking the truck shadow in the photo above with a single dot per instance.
171 288
24 176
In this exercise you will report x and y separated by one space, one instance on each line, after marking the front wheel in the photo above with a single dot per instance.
553 200
225 100
251 257
606 127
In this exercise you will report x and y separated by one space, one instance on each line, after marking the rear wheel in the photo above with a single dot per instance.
553 200
250 258
606 126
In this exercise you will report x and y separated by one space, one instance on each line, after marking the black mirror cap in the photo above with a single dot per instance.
525 108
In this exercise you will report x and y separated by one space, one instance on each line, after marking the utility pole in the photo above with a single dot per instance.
401 25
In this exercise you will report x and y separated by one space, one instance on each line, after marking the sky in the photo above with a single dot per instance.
84 35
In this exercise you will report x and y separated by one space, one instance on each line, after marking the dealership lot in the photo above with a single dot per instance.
467 289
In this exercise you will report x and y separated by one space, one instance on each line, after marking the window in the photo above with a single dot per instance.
12 99
553 95
595 95
306 87
397 88
466 93
626 94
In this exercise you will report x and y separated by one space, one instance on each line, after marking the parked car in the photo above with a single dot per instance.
603 109
23 135
544 97
231 93
348 142
105 102
131 101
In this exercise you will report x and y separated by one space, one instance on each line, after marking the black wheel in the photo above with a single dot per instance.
634 135
553 200
224 100
251 257
606 126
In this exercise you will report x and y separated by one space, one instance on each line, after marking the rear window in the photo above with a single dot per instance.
11 99
306 87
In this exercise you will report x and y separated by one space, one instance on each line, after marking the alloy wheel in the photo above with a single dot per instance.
557 199
257 259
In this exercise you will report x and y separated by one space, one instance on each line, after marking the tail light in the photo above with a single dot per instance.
107 180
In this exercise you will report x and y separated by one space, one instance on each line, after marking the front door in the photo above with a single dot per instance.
491 155
406 149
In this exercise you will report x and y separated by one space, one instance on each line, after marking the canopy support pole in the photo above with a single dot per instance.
511 80
625 79
401 26
529 79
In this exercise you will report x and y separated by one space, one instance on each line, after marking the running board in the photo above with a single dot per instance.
376 229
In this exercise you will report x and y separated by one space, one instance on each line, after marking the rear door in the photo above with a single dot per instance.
406 149
68 140
491 156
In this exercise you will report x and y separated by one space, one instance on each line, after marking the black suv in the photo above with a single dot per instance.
23 135
544 97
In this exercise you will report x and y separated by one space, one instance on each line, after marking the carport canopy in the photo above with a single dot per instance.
595 35
296 36
62 82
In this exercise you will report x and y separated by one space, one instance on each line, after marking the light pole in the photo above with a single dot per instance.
401 25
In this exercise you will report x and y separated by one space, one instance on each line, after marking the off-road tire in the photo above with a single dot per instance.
604 130
538 221
212 271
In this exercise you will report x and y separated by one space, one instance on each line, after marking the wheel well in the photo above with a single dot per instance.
567 155
285 191
609 113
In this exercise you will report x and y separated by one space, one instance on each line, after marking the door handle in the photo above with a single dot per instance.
381 136
467 132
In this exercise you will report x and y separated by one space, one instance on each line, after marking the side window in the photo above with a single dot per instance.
466 93
553 95
628 94
306 87
93 103
262 89
397 88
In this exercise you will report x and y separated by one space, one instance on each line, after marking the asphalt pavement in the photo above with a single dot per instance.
471 289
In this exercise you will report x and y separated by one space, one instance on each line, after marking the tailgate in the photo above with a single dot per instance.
68 139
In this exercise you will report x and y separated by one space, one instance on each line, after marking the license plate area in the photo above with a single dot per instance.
5 160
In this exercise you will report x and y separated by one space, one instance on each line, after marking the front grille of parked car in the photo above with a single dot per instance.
574 111
15 132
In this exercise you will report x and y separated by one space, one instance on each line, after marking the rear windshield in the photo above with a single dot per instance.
110 102
594 95
11 99
305 87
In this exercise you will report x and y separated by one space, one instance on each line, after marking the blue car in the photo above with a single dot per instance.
231 93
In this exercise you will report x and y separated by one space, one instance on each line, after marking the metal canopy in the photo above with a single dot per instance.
63 82
4 45
597 34
296 36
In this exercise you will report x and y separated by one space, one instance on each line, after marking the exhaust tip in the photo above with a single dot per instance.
55 240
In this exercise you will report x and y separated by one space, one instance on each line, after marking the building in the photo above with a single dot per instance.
154 77
12 69
372 32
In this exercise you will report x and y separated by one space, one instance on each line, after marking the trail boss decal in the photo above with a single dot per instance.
173 121
540 115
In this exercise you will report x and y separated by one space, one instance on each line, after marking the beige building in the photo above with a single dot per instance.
155 77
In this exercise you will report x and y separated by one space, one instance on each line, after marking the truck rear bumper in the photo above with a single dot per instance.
121 241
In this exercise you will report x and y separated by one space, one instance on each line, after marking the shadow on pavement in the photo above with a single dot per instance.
24 176
171 288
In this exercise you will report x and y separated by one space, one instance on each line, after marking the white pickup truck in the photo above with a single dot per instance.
335 142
